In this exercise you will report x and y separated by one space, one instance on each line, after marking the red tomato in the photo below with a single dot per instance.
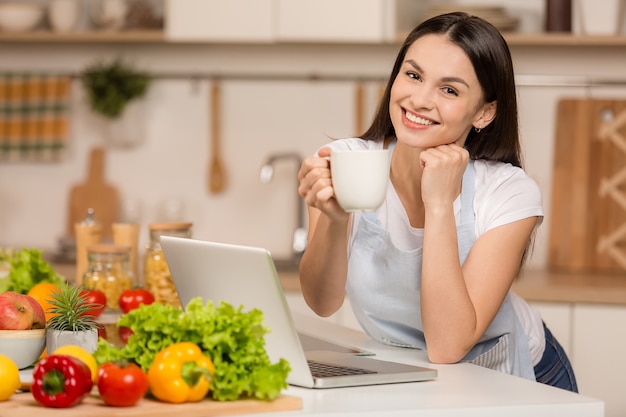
125 333
131 299
98 299
102 332
121 384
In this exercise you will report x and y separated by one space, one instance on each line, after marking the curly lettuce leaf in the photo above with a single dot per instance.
28 268
232 338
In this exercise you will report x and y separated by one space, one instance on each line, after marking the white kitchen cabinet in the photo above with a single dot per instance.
219 20
345 20
599 339
264 21
558 318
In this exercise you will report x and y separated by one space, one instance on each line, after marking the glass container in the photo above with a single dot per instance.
109 270
157 276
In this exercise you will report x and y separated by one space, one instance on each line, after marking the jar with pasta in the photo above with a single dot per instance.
157 276
108 270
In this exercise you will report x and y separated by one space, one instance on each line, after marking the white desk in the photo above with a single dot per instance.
459 390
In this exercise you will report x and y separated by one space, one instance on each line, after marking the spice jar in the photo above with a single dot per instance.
157 276
109 271
87 232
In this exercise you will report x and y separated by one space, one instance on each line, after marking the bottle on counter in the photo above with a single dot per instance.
109 271
127 234
157 276
87 232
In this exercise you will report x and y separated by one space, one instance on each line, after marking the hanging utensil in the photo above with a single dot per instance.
359 104
217 174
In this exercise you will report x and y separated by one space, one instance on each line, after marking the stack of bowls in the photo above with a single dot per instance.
20 17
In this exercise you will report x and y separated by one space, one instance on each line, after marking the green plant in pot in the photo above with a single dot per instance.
111 86
71 324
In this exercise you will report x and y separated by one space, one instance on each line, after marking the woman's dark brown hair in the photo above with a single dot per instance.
491 59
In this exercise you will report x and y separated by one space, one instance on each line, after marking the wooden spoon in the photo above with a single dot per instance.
217 174
359 104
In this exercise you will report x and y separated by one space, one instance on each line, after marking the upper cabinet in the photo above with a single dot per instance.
352 21
355 21
219 21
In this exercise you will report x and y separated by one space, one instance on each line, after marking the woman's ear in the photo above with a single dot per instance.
486 115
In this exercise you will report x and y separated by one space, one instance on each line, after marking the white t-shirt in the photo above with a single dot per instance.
503 194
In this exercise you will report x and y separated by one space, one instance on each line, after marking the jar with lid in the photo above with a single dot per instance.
108 270
157 276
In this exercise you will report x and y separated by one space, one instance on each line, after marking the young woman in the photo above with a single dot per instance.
432 268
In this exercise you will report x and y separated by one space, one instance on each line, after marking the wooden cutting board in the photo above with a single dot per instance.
23 405
94 193
585 215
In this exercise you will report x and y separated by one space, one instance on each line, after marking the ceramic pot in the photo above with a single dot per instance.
603 18
64 14
129 129
87 339
558 16
109 14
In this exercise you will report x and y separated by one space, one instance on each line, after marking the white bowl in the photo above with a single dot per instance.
19 17
24 347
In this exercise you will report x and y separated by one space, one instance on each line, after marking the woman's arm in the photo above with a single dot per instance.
324 264
458 303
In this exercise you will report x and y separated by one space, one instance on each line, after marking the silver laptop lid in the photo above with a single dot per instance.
239 275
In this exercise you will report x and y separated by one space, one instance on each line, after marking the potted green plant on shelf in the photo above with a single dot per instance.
111 86
71 324
115 91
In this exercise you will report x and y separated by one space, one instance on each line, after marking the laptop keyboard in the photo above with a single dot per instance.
321 370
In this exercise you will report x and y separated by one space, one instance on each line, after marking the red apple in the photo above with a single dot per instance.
39 317
16 313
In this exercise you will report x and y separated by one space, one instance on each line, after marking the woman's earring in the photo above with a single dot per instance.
477 129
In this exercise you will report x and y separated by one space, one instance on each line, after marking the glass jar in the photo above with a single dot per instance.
157 276
108 270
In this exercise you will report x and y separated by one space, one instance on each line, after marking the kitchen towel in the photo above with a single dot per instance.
34 111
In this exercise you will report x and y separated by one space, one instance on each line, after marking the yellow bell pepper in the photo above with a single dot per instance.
180 373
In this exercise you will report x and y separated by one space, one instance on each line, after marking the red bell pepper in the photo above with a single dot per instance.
61 381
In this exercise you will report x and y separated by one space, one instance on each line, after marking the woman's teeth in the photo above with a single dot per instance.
418 120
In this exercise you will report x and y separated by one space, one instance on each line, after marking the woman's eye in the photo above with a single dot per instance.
450 90
414 75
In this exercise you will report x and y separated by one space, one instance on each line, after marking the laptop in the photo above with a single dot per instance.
244 275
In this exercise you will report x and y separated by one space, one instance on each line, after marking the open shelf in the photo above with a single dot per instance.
159 36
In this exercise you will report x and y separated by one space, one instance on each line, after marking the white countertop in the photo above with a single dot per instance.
459 390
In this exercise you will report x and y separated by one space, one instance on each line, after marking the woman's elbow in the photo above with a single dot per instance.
445 355
323 307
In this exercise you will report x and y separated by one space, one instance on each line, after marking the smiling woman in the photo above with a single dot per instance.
432 267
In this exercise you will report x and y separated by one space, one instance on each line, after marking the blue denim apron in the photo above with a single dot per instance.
383 287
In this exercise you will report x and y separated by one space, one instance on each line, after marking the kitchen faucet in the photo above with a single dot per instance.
300 234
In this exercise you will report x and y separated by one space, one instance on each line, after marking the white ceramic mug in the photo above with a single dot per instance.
360 178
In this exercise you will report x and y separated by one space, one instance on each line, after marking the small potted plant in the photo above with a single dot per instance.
71 324
111 86
114 91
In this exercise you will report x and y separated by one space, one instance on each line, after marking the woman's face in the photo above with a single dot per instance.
436 97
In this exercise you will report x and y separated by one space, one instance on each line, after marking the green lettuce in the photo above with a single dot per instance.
232 338
28 268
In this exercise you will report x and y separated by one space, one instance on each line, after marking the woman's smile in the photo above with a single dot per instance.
417 120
